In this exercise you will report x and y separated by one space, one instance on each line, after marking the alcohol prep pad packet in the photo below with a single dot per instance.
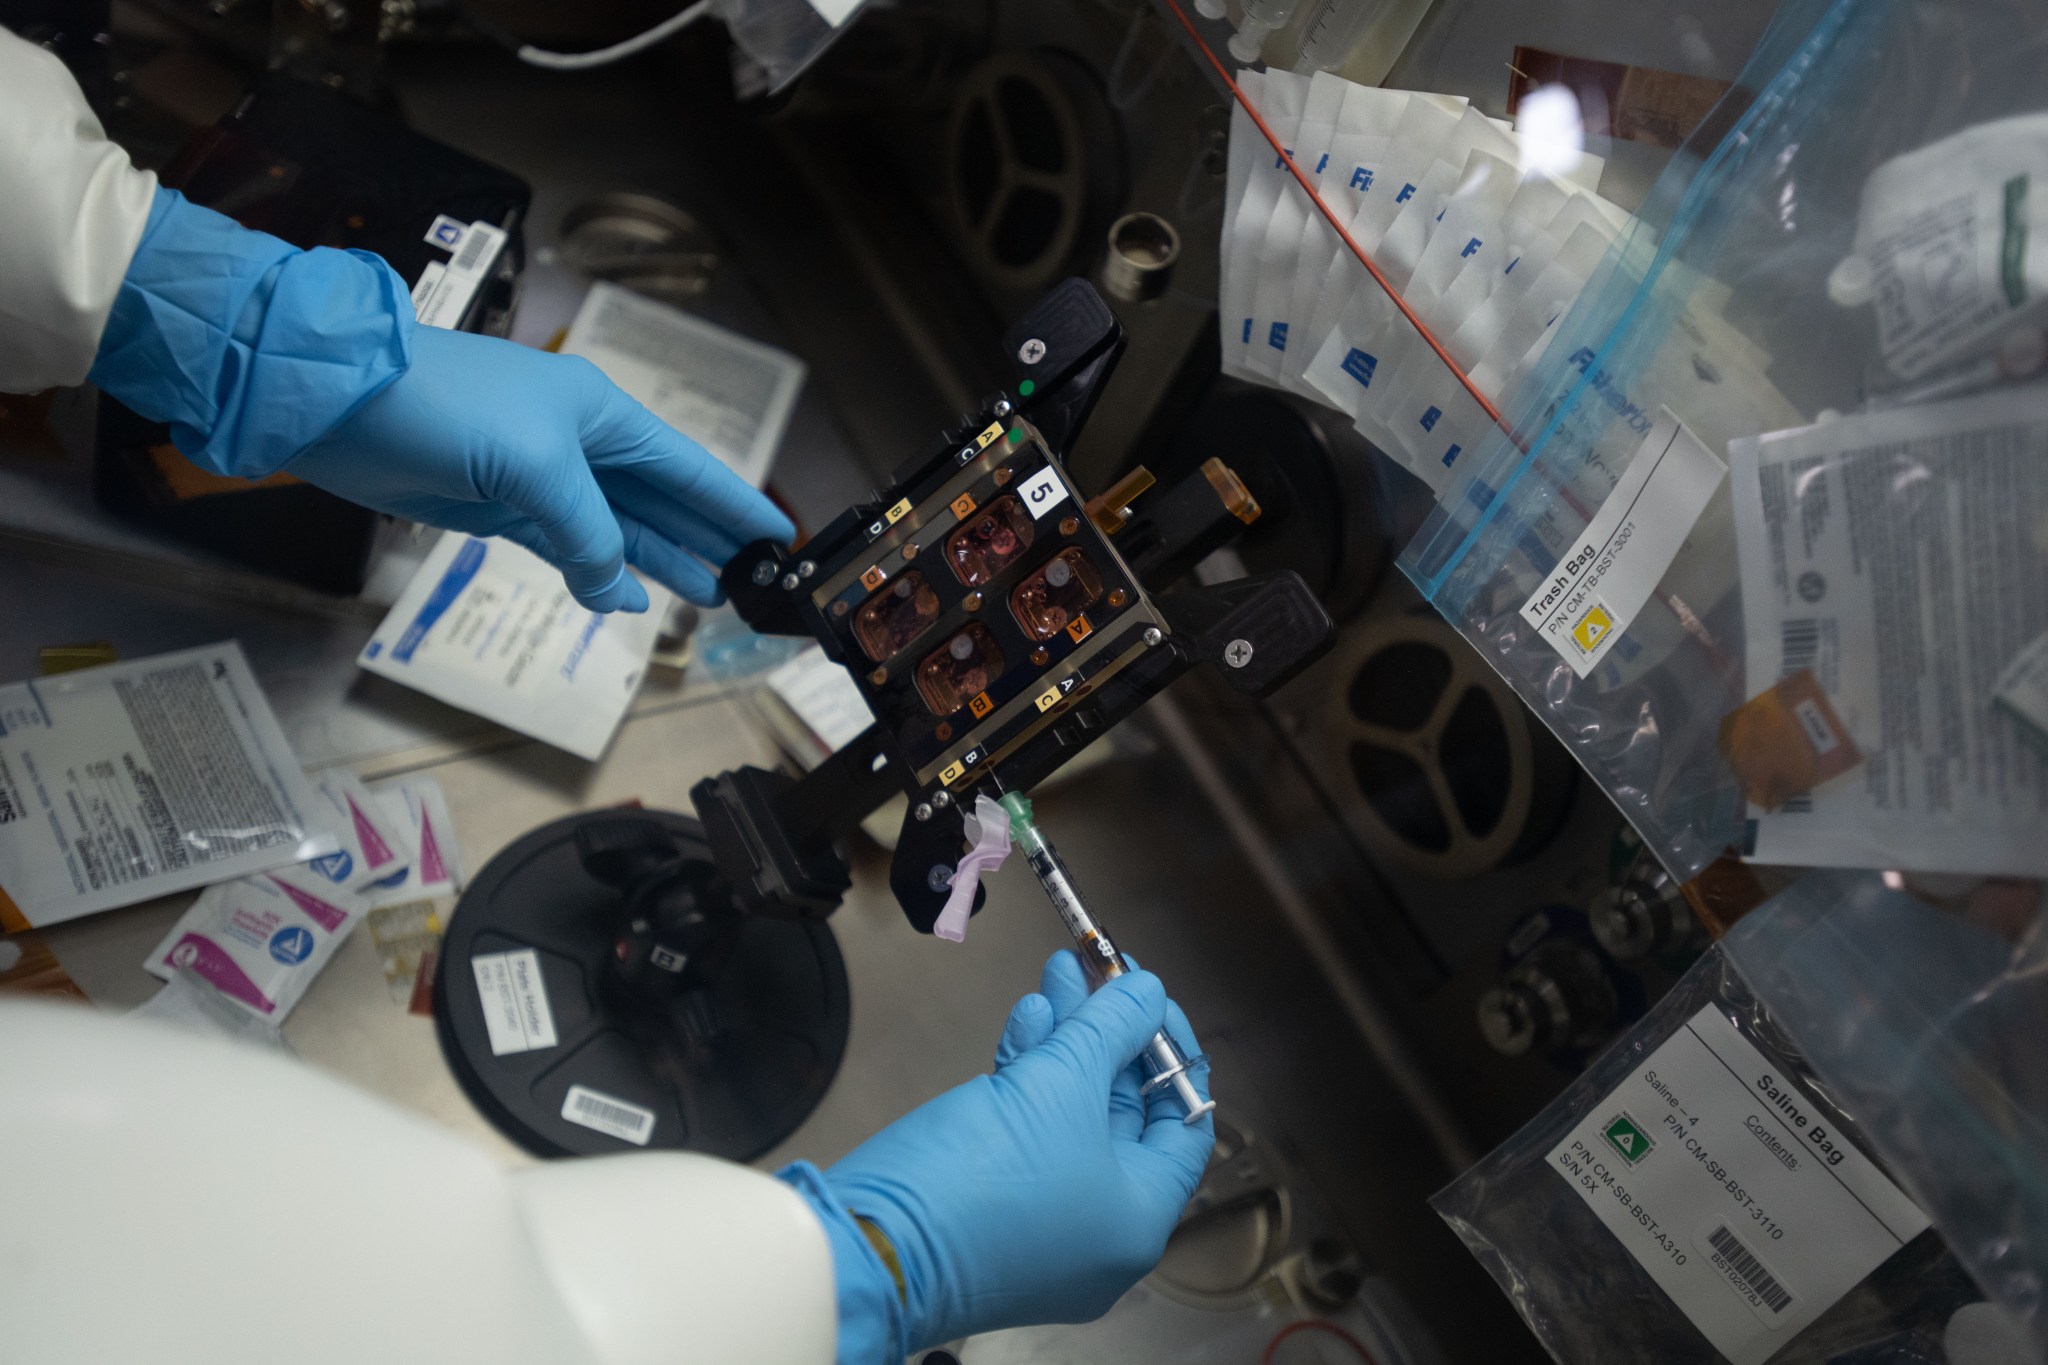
136 780
259 941
490 627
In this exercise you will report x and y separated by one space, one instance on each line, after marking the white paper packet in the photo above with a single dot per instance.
1280 99
259 941
1355 163
1426 123
1233 292
139 779
418 804
375 848
1431 417
490 627
1468 227
1273 283
1417 206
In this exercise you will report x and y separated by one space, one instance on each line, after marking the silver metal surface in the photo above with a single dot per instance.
1375 1028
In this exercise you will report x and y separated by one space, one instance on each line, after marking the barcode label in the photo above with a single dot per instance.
446 301
608 1114
1798 645
1731 1255
8 810
474 244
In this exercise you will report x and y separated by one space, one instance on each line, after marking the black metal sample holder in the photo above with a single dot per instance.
939 548
684 987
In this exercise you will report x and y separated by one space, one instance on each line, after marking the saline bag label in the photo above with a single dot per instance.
1729 1185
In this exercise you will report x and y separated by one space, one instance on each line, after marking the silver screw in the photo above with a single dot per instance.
789 582
1031 352
806 569
1003 408
922 813
942 799
1237 653
1153 635
764 573
939 878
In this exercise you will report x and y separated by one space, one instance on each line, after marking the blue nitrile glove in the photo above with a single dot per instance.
263 357
1038 1194
497 439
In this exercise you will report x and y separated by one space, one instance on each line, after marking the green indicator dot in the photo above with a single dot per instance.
1027 388
1016 435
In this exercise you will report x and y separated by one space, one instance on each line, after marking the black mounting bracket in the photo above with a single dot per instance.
996 623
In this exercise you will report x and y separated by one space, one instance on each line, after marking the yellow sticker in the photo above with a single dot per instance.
952 774
1049 698
988 438
981 704
963 506
1592 629
899 511
874 577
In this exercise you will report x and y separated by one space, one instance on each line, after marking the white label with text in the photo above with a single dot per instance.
1591 595
1043 491
608 1114
514 997
1730 1186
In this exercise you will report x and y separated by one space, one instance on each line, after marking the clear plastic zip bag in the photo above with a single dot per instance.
1770 282
1928 1022
1624 1232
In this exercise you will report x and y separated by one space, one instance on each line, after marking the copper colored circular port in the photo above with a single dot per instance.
1002 476
1069 526
973 602
1041 657
1117 597
840 608
879 676
944 732
909 552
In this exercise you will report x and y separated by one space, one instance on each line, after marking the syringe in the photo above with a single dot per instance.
1165 1063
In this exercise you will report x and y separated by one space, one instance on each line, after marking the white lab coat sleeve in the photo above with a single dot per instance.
196 1201
72 208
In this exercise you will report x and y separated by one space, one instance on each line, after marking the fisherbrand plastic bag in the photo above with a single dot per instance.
1726 307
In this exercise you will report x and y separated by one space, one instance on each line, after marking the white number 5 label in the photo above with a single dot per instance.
1043 491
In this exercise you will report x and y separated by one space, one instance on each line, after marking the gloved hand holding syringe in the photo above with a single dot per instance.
1165 1063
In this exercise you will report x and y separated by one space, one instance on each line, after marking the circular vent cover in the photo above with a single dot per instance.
1434 758
1034 158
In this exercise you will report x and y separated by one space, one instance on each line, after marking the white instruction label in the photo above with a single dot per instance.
1900 555
443 300
1728 1185
514 996
1043 491
1595 591
608 1114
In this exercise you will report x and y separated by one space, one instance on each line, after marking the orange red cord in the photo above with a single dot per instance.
1330 216
1315 1325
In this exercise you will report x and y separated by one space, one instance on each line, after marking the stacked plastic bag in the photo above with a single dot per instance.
1487 239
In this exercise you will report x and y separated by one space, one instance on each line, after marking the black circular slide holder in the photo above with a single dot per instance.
598 992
